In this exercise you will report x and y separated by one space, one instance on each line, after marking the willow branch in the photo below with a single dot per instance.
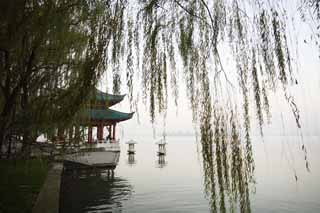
190 12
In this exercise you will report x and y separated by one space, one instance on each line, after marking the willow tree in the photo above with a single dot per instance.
51 53
162 39
70 42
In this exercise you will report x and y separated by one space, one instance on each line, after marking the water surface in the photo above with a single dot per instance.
145 182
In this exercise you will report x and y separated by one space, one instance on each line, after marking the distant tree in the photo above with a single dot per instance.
310 14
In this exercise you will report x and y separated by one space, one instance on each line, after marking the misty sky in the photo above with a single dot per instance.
306 94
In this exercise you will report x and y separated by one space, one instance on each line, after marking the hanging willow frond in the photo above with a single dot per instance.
194 33
156 42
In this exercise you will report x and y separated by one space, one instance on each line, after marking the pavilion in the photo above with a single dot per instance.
100 115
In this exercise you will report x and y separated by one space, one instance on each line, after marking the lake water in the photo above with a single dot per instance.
176 182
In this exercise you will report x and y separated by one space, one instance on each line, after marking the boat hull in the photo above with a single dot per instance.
94 158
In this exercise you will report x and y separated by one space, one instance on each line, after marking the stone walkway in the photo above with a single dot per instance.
49 196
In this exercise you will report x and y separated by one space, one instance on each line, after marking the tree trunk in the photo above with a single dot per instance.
26 144
26 149
2 138
9 148
5 118
7 115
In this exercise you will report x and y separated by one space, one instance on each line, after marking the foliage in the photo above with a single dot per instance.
52 53
193 39
310 14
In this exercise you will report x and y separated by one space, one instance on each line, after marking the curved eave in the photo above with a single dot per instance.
109 115
109 98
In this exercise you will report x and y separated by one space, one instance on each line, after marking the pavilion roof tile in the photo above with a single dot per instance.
109 115
106 97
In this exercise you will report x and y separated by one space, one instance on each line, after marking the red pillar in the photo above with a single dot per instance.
60 134
102 126
100 132
71 134
77 133
109 129
90 134
114 132
97 134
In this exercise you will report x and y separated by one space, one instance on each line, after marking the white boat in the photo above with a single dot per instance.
96 155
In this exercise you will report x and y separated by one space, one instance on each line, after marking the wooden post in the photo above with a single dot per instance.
90 134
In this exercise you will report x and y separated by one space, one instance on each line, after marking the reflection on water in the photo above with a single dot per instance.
92 191
161 162
217 180
131 159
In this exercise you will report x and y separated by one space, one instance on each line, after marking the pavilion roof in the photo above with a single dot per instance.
109 115
106 97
